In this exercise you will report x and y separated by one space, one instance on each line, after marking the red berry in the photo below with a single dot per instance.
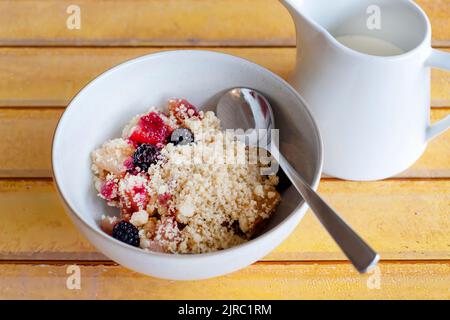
151 129
182 109
168 229
134 197
128 164
163 199
139 198
109 190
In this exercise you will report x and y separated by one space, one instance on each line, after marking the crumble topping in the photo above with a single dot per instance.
193 194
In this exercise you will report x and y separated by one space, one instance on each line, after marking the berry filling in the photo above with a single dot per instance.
163 199
151 129
129 164
182 136
126 232
137 199
158 190
133 193
145 155
109 190
182 109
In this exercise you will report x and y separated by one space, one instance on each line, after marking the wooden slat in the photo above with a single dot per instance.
25 146
401 219
52 76
435 162
167 23
260 281
27 134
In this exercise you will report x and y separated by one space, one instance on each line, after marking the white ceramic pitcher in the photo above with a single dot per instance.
372 108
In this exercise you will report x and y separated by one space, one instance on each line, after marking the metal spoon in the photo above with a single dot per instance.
243 108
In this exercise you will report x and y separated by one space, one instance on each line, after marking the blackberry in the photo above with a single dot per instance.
182 136
126 232
145 155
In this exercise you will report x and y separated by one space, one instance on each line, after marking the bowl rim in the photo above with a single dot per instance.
74 214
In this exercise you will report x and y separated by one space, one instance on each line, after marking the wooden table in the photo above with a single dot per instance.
42 66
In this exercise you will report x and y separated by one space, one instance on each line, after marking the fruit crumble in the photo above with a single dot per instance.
177 191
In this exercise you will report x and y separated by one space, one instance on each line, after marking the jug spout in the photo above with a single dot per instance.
303 12
291 5
297 10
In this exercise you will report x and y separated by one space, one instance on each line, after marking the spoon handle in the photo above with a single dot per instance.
361 255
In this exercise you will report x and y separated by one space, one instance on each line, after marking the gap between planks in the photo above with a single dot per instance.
166 23
323 178
440 45
94 263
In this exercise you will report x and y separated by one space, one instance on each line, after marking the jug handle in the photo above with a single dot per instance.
441 60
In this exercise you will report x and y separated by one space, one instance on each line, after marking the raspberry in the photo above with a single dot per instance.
151 129
134 200
163 199
133 193
126 232
129 164
145 155
182 109
109 190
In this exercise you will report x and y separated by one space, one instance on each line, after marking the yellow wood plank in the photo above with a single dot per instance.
27 135
52 76
440 87
260 281
435 162
25 146
438 12
401 219
167 22
33 209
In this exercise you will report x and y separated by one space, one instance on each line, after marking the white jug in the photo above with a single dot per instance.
363 66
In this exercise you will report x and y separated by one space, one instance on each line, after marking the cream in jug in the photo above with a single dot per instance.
367 82
370 45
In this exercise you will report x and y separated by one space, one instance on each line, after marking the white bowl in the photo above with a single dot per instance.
103 107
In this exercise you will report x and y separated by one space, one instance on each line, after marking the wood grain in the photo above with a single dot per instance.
402 219
260 281
25 147
27 135
167 23
52 76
